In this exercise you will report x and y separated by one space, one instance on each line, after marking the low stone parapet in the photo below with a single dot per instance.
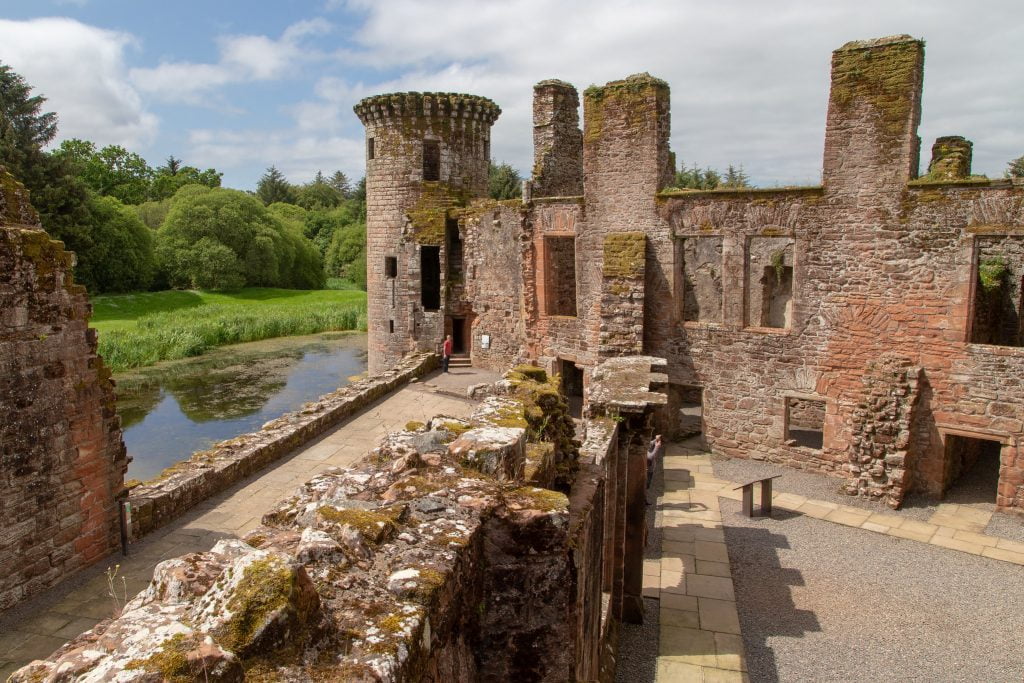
416 563
207 473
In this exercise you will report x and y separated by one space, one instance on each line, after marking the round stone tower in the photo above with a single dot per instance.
426 156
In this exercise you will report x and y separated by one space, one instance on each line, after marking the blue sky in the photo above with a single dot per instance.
243 85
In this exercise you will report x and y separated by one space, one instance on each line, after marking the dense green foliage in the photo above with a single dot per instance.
503 181
274 187
142 329
120 256
224 239
172 176
112 171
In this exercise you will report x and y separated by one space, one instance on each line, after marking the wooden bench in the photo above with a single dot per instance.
766 496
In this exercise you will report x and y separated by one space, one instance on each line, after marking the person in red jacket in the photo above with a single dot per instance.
446 352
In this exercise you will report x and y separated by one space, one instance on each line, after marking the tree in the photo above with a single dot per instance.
339 181
172 176
274 187
121 256
318 194
735 178
59 196
112 171
503 181
1015 169
225 239
696 179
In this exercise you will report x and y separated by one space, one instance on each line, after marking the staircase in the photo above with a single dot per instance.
460 361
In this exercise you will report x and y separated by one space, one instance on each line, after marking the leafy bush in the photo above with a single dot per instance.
224 239
119 254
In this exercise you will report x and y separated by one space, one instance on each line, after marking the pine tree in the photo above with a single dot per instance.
274 187
339 181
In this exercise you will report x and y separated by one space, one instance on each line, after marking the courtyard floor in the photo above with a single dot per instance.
828 591
34 629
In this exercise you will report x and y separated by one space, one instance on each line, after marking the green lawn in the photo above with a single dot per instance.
148 327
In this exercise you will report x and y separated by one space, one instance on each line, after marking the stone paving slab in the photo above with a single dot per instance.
39 626
700 635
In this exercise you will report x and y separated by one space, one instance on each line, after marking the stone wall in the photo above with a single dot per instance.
62 460
414 564
186 484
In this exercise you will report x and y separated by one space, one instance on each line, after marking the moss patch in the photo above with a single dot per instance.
882 78
376 526
414 426
545 500
624 254
430 214
991 273
171 662
266 587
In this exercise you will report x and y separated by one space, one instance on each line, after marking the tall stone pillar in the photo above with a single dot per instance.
557 140
874 108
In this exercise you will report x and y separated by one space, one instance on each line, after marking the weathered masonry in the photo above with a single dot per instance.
869 328
62 460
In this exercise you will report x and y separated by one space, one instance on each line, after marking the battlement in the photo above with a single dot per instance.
401 105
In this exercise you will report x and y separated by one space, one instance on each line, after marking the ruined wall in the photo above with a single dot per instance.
880 264
427 560
492 295
557 140
408 205
62 460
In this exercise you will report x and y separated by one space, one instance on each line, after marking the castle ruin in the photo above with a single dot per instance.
868 328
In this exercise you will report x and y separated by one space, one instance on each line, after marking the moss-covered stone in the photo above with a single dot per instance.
624 254
863 73
376 526
429 216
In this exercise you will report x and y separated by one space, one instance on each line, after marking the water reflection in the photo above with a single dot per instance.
171 410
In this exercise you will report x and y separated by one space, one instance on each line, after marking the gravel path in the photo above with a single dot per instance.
972 489
825 602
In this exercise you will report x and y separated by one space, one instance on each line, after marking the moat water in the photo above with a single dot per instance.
173 409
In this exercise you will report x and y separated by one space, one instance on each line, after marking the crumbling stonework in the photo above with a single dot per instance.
759 298
62 460
882 424
415 564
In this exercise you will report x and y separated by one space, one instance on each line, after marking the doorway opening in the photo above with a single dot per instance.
972 469
691 410
572 386
460 336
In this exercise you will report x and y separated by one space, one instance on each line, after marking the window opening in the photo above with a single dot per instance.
560 275
805 422
430 277
431 160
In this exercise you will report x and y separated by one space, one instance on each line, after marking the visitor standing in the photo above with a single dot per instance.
654 452
446 352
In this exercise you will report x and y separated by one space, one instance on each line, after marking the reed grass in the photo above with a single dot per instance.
190 331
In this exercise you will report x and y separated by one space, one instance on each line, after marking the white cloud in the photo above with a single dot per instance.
81 71
298 155
243 58
749 81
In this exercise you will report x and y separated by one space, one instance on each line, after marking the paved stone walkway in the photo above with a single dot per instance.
700 638
34 629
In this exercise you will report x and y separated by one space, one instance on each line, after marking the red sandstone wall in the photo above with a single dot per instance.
62 460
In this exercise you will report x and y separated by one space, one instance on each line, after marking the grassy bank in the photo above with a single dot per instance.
142 329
